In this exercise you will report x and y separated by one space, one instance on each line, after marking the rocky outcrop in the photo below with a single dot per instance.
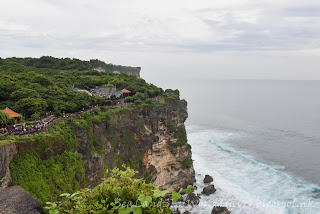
192 199
163 156
6 154
15 200
148 138
209 190
207 179
220 210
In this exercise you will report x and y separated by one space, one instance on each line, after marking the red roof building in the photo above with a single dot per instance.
125 91
11 113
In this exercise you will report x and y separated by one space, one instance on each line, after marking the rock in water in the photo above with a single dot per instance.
207 179
187 212
15 200
220 210
209 190
192 199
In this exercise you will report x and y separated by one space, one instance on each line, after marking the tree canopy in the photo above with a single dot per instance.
35 86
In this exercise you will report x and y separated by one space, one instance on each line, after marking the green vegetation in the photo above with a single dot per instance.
5 119
46 178
34 170
171 126
2 179
51 167
71 64
139 123
4 140
187 162
119 193
132 156
180 133
33 87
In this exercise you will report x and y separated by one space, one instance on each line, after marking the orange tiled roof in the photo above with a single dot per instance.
125 91
11 113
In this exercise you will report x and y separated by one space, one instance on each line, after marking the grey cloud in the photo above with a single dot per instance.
303 11
268 33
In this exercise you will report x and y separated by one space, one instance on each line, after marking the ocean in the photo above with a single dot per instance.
259 140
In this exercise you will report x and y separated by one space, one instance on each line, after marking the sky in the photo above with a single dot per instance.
230 39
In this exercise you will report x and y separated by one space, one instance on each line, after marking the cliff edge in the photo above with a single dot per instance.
149 138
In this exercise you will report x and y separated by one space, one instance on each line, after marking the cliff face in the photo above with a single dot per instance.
6 154
149 139
169 160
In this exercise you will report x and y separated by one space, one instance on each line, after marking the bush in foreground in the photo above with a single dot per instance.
119 193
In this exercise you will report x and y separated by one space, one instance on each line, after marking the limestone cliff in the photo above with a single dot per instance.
150 139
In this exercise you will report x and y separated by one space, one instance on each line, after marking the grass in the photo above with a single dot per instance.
4 140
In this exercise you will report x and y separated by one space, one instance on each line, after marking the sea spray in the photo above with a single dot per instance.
245 185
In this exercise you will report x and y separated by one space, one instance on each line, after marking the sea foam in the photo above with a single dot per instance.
245 185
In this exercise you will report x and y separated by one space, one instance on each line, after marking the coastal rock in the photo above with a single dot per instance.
207 179
209 190
192 199
14 200
220 210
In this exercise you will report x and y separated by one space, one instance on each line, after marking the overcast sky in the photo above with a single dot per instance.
248 39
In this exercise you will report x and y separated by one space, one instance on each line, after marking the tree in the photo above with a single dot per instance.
24 93
7 86
5 119
42 80
30 106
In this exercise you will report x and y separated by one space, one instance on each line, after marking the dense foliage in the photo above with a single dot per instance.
5 119
33 87
47 178
120 193
71 64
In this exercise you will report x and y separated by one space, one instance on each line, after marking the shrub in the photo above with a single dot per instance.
5 119
138 102
187 162
129 100
119 193
171 126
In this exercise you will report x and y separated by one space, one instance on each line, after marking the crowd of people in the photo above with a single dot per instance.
40 125
24 128
37 126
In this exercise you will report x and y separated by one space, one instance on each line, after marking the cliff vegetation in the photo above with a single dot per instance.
34 87
145 132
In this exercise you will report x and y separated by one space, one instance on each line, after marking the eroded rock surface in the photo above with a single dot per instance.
15 200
